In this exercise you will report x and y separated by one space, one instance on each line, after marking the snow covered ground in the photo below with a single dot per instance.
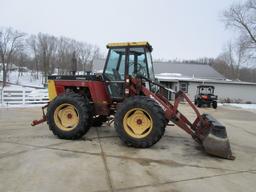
21 106
23 89
28 79
242 106
25 79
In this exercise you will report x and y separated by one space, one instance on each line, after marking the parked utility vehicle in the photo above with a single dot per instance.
205 96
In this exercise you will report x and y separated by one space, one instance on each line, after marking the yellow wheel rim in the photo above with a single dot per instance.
137 123
66 117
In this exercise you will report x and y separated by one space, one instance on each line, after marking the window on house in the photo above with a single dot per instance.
184 86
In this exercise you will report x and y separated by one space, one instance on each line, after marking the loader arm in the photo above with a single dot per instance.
205 129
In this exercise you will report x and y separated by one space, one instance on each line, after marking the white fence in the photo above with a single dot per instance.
12 96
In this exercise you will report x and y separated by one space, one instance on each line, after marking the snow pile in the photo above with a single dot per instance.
170 74
242 106
4 106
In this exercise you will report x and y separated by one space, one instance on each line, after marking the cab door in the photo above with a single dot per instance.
114 72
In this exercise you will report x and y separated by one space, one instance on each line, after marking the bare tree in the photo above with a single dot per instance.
65 48
84 54
87 53
47 47
43 53
10 43
21 60
33 44
235 56
242 17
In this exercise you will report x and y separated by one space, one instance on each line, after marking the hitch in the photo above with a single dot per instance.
43 119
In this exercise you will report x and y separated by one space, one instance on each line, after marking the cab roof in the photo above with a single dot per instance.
130 44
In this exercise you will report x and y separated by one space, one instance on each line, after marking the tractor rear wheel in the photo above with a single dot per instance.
68 116
140 122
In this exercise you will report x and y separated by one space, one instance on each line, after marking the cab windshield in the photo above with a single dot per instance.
140 63
122 61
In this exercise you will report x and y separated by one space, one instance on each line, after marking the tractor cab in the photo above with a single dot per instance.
126 59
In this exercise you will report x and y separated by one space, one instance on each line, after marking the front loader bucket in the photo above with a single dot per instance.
216 142
205 129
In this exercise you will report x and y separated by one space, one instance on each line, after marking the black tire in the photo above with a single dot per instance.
214 104
195 102
199 104
82 107
166 122
98 121
154 111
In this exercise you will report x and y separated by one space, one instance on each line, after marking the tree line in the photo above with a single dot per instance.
43 53
237 61
47 54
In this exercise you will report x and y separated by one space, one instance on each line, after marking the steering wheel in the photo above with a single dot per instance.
140 69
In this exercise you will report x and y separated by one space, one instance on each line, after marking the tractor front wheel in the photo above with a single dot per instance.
68 116
140 122
199 104
214 104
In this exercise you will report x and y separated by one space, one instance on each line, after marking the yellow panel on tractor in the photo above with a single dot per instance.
126 44
51 90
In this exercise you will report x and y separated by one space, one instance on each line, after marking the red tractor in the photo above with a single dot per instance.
126 90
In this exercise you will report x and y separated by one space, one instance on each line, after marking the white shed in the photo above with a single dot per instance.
187 76
234 91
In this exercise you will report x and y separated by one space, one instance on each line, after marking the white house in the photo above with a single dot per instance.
187 76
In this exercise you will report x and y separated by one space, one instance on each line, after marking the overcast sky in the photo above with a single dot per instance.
183 29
